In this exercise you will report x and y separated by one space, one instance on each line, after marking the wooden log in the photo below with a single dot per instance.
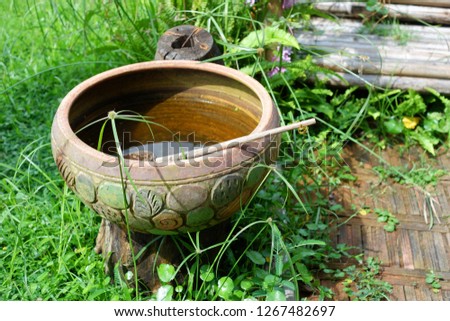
187 42
419 84
120 248
398 11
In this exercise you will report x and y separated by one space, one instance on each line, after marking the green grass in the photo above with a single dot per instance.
279 240
47 236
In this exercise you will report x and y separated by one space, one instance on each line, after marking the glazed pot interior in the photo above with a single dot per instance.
194 105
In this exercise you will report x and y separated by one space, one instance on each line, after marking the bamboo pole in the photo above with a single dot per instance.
401 12
353 26
397 52
386 67
380 54
377 53
393 82
356 40
430 3
233 142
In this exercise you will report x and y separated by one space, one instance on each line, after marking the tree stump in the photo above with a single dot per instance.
113 242
187 42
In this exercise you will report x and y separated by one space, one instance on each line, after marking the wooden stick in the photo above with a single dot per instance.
234 142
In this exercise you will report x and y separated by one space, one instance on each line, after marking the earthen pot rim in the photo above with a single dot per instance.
61 118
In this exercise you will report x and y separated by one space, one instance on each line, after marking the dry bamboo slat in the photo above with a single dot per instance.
376 56
356 40
380 55
401 12
394 82
431 3
387 67
352 26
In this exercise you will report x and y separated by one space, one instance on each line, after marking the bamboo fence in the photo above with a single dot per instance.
360 58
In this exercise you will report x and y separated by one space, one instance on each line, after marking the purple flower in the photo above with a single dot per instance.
284 56
287 4
275 71
250 3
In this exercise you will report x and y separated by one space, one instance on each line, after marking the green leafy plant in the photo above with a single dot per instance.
166 274
376 6
425 177
363 282
433 281
384 216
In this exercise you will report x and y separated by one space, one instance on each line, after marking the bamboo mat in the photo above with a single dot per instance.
414 249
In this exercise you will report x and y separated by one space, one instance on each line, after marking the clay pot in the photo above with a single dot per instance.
196 101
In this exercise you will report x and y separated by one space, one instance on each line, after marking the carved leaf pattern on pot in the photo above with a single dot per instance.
108 213
226 189
65 171
147 203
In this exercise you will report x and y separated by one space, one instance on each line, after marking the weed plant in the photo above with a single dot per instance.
279 241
